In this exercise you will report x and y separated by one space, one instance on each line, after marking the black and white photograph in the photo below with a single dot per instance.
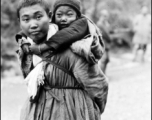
75 59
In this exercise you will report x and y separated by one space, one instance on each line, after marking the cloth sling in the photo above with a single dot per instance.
49 87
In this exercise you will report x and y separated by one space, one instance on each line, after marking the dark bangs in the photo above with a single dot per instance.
27 3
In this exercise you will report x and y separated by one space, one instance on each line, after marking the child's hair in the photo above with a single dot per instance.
75 4
27 3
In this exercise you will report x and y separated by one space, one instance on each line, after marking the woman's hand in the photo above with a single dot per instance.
35 49
25 48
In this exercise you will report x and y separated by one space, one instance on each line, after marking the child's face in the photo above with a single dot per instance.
34 22
64 16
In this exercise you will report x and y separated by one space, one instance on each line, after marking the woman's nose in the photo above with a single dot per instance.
33 25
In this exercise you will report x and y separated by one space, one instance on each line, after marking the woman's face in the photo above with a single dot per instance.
34 22
64 16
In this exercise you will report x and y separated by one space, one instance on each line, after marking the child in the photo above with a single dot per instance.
61 7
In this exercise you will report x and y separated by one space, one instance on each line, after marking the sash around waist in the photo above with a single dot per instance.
61 87
49 88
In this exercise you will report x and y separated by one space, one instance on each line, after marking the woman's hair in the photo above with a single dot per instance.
27 3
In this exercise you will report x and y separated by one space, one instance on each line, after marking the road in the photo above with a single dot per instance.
129 95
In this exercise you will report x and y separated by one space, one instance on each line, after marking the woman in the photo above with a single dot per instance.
73 89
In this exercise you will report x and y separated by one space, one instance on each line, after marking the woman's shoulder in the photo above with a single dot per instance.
53 26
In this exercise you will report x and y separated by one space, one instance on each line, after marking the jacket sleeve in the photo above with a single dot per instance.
25 62
93 81
20 39
65 37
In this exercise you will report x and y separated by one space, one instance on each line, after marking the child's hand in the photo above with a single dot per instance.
35 49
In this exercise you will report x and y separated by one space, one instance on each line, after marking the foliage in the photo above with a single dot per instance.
120 9
121 15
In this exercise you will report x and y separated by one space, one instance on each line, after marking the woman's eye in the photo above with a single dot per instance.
38 17
25 19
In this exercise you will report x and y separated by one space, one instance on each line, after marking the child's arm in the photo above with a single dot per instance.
65 37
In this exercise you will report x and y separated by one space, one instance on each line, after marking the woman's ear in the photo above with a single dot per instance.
50 14
18 19
19 22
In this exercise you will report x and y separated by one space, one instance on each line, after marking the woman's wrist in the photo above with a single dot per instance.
44 47
39 47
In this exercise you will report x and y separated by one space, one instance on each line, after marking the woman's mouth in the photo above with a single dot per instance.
35 32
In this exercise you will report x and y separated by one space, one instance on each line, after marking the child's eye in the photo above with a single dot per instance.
70 14
59 15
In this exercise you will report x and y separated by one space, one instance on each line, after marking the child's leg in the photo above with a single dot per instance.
104 61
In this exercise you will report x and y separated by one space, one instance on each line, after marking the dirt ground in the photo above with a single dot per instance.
129 95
